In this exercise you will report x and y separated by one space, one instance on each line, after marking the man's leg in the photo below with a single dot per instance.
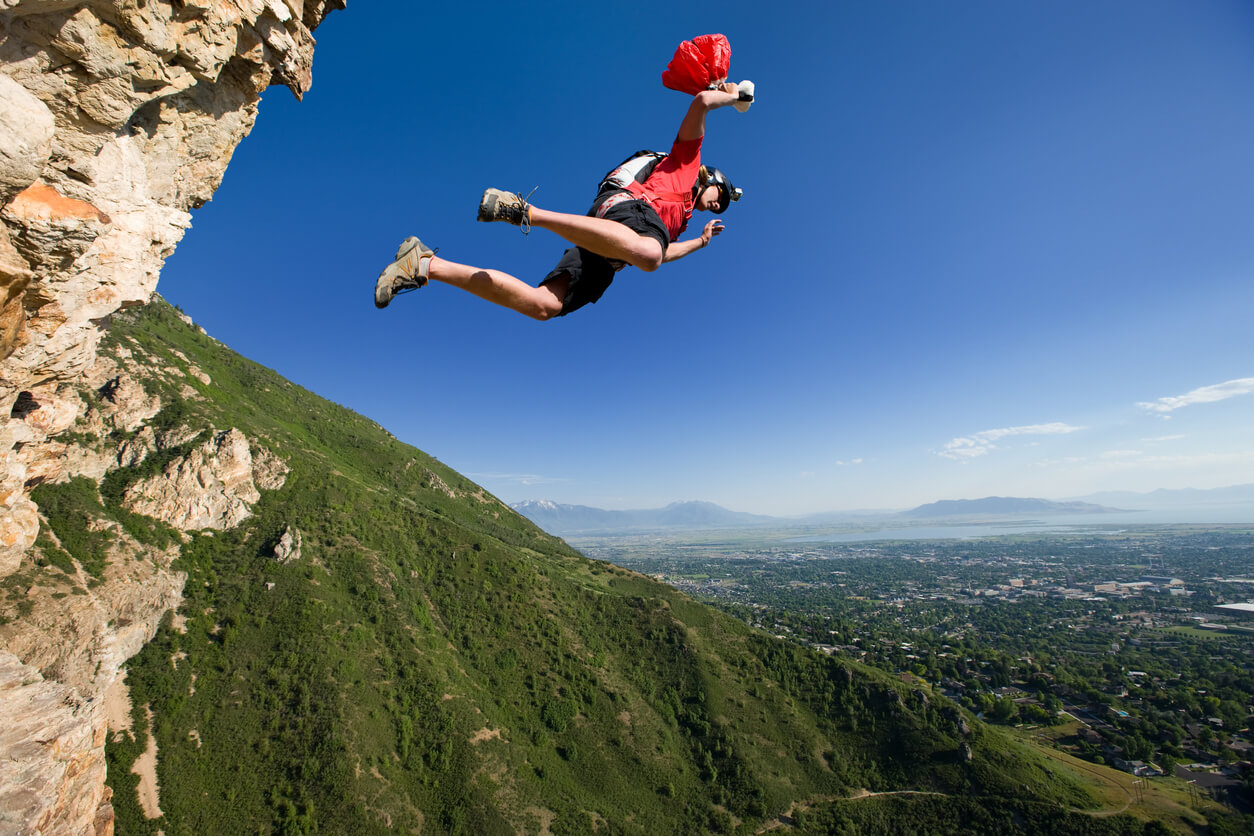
543 302
610 239
606 238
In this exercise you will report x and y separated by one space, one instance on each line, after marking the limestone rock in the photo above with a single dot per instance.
117 118
269 471
52 231
19 518
26 128
288 547
134 450
126 404
213 486
54 668
15 277
89 462
50 740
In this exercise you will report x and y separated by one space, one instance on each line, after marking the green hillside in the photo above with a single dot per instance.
435 663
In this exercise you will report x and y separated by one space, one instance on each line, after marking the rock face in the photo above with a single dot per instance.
65 635
288 547
213 486
54 670
117 117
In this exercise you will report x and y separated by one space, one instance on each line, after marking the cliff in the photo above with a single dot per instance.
116 119
298 598
379 644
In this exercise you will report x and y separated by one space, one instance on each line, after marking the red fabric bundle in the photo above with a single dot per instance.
697 62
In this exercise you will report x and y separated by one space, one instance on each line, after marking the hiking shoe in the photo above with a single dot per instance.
497 205
407 272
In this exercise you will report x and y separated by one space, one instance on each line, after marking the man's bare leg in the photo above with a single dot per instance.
543 302
605 238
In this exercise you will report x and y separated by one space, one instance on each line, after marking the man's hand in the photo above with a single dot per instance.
679 249
712 228
745 92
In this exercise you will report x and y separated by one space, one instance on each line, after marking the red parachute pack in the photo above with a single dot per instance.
698 62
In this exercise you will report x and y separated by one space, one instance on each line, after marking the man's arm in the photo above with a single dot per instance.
679 249
693 126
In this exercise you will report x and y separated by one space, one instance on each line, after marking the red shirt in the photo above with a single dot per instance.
669 187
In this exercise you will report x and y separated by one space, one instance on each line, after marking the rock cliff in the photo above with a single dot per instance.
116 119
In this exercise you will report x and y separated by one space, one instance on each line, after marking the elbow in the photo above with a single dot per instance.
709 99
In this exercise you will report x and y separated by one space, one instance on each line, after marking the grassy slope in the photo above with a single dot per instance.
435 661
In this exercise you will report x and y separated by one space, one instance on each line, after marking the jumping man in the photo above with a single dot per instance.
637 224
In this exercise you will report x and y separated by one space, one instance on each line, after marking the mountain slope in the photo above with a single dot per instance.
429 660
565 520
1166 499
1002 505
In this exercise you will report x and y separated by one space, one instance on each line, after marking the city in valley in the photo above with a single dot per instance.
1132 648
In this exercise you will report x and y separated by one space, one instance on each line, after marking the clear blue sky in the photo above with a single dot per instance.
985 248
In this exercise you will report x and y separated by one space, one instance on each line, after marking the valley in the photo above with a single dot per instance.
1114 647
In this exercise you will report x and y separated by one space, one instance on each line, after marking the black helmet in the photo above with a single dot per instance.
727 193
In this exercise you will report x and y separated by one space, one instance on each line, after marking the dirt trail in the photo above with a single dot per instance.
786 820
145 767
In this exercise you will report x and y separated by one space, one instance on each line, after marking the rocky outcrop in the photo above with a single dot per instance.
72 633
117 118
213 486
288 547
55 667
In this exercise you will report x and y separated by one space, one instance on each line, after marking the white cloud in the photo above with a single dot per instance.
849 463
981 443
1204 394
1161 438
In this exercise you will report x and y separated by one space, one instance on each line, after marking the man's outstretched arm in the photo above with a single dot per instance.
693 126
679 249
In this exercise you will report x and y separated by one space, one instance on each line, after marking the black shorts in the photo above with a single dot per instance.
591 274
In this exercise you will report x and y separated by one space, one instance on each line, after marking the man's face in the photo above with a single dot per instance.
708 200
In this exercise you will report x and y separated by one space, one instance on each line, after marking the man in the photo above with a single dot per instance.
637 225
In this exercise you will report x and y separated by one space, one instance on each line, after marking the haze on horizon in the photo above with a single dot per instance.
984 249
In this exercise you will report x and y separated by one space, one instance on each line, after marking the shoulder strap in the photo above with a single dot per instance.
635 168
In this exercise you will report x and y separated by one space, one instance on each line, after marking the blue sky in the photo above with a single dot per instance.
985 248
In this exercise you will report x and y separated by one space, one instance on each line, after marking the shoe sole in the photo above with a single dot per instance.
487 206
384 291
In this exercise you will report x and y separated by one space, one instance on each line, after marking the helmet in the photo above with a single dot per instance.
727 193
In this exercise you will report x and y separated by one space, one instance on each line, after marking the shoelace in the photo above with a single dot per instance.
418 282
525 222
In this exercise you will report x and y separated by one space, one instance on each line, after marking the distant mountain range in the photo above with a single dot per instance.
993 505
678 516
566 520
1165 499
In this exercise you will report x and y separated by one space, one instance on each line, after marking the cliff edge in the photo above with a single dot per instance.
116 119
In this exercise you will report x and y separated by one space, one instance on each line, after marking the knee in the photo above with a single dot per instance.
648 256
545 310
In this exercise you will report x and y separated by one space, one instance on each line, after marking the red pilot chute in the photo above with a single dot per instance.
698 63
